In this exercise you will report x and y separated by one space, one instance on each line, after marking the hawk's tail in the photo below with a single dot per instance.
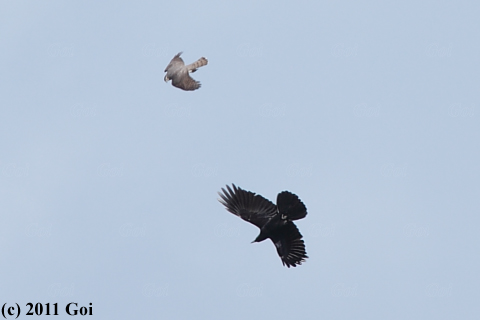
197 64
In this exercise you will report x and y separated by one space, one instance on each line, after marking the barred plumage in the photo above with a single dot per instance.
179 73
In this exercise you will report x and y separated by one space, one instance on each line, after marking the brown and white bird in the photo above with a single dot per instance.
274 221
178 72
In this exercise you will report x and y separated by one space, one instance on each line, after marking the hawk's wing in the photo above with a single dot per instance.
291 206
176 62
290 246
247 205
185 82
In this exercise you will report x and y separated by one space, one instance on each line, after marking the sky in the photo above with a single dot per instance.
368 111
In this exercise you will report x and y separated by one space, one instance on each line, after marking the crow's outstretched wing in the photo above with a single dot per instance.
247 205
290 205
290 246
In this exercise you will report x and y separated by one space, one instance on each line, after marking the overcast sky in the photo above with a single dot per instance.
369 112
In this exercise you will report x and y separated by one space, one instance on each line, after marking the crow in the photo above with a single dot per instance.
274 221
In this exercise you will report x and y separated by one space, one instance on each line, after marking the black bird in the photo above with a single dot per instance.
274 221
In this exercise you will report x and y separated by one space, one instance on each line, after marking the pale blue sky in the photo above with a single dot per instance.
109 177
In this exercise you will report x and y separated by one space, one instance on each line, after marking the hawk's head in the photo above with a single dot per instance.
166 79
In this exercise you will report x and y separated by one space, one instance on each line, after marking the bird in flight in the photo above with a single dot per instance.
274 221
178 72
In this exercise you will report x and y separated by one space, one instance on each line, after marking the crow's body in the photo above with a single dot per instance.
274 221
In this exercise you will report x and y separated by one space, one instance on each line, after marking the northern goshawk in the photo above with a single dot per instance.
179 73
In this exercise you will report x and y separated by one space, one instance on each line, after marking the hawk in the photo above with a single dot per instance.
274 221
179 73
